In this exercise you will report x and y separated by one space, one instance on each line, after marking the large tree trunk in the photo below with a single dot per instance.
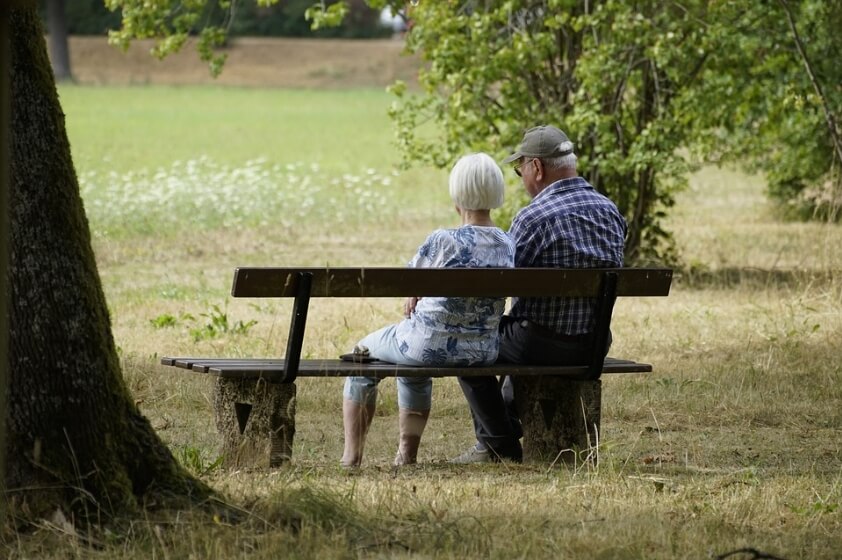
59 49
5 106
76 440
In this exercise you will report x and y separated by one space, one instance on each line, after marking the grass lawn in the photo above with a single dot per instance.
733 442
130 128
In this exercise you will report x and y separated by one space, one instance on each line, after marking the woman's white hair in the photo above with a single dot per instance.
476 183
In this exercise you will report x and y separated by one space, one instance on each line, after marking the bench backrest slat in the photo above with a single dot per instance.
450 282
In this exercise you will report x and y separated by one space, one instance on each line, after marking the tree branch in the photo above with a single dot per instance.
828 114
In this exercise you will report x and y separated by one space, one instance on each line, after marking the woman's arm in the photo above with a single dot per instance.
429 255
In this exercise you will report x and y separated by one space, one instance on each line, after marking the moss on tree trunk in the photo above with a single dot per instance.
76 440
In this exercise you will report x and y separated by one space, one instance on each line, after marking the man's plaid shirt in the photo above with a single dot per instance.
568 225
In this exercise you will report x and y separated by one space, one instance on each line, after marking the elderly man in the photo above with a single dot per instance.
568 224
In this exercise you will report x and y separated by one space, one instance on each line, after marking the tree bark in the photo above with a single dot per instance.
5 107
59 48
75 438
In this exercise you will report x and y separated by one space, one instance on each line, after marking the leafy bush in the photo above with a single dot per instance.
287 19
284 19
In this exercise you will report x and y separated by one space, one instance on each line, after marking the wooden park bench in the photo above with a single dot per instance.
254 399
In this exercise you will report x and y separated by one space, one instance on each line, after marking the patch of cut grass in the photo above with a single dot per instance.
732 442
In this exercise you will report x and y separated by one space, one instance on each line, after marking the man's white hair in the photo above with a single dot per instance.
476 183
562 162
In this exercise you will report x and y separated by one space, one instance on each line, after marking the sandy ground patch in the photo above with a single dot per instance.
262 62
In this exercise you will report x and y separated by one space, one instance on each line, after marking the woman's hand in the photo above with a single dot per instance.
409 305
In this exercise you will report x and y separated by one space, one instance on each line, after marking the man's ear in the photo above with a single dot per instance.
539 169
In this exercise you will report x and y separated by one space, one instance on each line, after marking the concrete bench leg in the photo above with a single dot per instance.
560 418
256 420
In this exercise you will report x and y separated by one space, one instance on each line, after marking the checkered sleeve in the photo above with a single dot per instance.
528 242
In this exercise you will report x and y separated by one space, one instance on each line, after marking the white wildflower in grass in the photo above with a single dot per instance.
203 194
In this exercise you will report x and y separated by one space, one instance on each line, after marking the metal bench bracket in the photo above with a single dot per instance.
303 284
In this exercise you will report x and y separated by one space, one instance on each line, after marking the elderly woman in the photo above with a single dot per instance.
449 332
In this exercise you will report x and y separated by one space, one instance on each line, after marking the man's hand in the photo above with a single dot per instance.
409 305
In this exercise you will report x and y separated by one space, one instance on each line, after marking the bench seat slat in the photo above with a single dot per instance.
272 370
202 365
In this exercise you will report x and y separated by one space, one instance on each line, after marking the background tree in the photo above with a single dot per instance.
287 19
778 102
75 439
89 17
637 85
59 48
611 74
173 22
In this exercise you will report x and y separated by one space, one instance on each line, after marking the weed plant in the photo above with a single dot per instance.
733 442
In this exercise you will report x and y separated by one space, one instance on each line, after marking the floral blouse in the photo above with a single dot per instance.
457 331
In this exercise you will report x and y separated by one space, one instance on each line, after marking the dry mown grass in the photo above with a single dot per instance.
732 442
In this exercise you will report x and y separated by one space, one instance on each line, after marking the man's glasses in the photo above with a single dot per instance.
520 164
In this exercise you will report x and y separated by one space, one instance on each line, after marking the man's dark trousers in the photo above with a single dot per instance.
493 409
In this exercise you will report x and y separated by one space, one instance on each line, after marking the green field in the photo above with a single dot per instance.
169 159
733 442
125 129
